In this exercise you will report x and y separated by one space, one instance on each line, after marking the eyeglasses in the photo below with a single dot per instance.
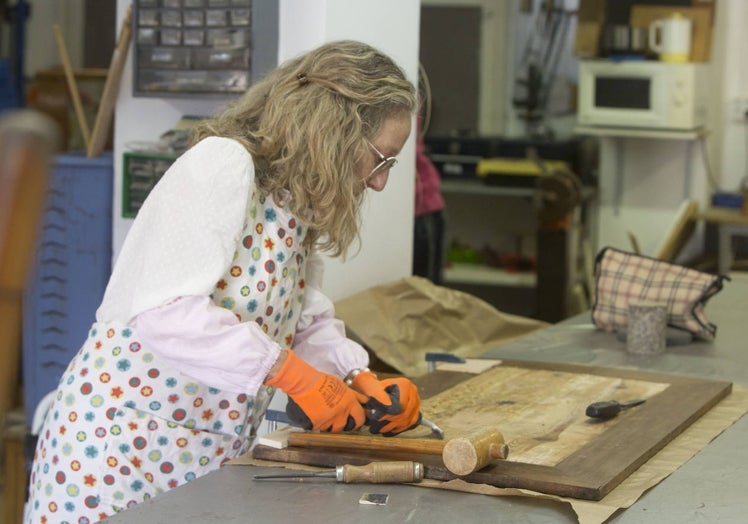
385 162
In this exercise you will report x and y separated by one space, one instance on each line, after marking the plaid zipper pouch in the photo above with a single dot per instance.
622 278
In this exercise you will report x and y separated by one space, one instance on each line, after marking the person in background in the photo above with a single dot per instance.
428 232
215 298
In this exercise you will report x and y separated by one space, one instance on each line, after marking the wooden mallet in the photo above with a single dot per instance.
464 455
461 456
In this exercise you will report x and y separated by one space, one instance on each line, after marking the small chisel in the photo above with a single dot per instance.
373 473
609 408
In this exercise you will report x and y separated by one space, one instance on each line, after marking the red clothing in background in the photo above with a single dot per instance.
428 183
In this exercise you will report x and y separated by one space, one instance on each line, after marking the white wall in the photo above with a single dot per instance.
390 25
387 236
730 138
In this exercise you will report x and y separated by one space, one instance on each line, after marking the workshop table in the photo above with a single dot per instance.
710 487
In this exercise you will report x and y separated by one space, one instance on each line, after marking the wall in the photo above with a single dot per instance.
731 135
41 47
387 234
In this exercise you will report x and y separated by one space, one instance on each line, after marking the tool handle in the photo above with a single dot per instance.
610 408
365 443
604 409
382 472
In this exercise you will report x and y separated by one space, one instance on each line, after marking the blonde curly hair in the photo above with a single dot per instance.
306 124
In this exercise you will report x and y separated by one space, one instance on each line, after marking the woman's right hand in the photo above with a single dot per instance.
317 400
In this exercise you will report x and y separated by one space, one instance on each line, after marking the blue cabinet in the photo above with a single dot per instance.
73 264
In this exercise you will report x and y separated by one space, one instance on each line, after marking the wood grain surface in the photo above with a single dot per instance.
539 407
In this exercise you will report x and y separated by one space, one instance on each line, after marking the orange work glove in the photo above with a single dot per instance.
318 400
393 403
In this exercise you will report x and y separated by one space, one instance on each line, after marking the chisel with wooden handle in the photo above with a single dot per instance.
373 473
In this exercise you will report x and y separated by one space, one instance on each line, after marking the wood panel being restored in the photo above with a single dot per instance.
539 407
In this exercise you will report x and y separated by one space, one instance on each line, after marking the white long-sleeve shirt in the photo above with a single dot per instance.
182 241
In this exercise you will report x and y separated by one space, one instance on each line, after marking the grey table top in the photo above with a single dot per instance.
711 487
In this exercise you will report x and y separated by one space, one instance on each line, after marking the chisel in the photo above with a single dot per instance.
373 473
609 408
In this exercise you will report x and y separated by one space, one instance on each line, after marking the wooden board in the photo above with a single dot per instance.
554 447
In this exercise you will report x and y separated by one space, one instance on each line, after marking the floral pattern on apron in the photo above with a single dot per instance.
125 426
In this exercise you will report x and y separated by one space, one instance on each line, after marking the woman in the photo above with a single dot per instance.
218 280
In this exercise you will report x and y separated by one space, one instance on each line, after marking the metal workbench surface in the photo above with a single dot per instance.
711 487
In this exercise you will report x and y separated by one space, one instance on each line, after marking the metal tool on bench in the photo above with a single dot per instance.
374 473
436 431
608 409
432 358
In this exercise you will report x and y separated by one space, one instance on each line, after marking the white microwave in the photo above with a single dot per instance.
643 94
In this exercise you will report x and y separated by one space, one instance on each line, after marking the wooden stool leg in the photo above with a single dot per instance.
10 355
27 142
15 475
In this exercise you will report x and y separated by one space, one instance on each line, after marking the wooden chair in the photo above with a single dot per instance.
28 140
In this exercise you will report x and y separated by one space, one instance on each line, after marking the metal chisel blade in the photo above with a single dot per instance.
303 474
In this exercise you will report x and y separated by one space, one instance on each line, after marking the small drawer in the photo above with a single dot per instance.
171 18
164 57
194 37
221 58
239 17
216 18
171 37
147 36
193 18
148 18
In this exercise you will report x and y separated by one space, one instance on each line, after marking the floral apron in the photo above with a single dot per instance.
125 426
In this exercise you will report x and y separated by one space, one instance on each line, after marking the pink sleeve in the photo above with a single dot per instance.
208 343
324 345
320 337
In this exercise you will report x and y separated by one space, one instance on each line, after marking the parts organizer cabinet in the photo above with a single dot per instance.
73 263
195 47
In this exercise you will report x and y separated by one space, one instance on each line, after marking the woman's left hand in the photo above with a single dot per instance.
393 404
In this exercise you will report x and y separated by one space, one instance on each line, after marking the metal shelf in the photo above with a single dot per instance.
632 132
477 187
486 275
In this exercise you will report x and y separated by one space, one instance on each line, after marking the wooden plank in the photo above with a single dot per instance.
111 88
679 231
586 465
72 85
